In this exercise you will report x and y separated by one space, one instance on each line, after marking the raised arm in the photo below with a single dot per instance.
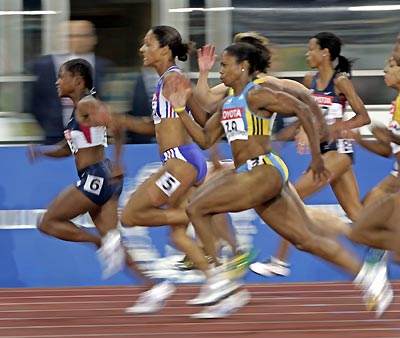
207 97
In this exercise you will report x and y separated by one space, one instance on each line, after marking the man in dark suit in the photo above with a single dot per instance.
51 112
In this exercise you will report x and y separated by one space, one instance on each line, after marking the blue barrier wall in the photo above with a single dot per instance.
31 259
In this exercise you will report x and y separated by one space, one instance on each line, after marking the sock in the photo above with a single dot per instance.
374 255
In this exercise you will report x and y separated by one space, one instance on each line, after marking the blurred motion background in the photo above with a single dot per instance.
31 28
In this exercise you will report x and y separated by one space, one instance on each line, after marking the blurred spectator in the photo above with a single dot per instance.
42 101
144 87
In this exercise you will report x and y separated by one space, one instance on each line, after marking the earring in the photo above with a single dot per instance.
242 69
323 54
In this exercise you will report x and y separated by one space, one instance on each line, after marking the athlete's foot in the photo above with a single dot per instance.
271 267
111 254
215 288
225 307
238 265
369 269
153 300
378 293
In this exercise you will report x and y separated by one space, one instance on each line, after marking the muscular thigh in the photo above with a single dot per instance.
166 187
235 192
69 204
389 185
286 215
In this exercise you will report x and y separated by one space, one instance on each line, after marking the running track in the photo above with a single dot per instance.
284 310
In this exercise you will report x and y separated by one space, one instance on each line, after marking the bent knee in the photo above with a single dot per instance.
305 244
44 225
128 219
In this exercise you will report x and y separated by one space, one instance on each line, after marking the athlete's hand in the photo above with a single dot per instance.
382 133
302 143
34 153
320 173
352 134
177 90
206 57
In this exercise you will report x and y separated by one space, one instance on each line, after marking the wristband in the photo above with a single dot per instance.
180 109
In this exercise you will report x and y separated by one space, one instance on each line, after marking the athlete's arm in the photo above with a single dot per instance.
378 146
361 118
60 150
179 92
207 97
264 99
207 136
141 125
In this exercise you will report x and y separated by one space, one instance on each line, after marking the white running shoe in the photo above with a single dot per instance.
384 301
378 295
111 254
154 299
377 282
225 307
272 266
214 289
368 271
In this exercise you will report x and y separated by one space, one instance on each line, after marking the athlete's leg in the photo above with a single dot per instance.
319 216
230 192
105 219
287 216
224 230
345 188
335 162
377 226
389 185
68 205
144 208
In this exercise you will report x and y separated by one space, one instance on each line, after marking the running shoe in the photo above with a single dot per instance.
271 267
152 300
225 307
187 264
238 265
369 268
111 254
214 288
384 301
378 294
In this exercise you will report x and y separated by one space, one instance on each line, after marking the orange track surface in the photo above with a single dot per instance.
281 310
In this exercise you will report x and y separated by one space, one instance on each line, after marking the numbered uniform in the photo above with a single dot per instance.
95 181
191 153
332 107
394 127
240 122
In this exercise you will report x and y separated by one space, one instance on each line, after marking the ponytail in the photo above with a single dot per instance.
344 65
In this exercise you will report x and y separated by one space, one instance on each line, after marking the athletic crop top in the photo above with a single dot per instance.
332 106
238 121
79 136
161 108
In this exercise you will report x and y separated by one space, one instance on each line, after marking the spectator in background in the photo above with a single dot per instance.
144 87
51 112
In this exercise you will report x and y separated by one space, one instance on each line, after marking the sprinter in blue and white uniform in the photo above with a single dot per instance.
161 199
